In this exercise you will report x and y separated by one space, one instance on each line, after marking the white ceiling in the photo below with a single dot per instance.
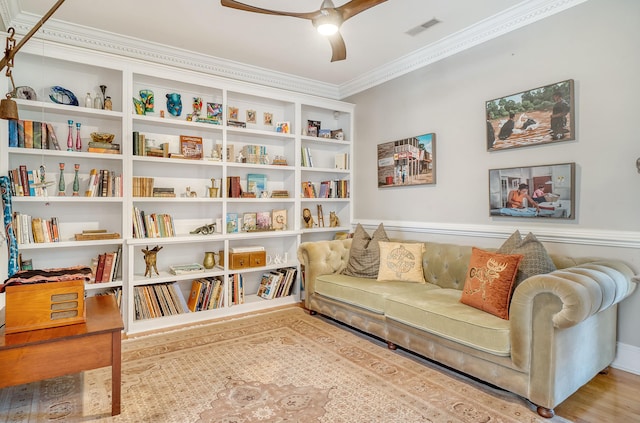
289 49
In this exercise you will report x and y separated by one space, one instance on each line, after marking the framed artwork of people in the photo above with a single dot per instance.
536 116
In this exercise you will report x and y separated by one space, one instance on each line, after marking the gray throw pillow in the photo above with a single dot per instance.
364 255
536 260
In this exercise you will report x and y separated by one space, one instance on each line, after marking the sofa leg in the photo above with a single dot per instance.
313 312
391 345
605 371
545 412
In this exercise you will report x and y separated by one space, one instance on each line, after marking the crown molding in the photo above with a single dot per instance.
522 14
510 19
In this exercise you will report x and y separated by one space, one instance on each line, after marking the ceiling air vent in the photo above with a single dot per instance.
422 27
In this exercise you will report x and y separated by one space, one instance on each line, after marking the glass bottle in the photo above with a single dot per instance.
61 184
70 136
76 181
88 102
78 139
97 102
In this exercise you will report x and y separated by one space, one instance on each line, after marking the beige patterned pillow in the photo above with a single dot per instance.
364 255
536 260
401 261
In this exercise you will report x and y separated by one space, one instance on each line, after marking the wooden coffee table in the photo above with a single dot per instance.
45 353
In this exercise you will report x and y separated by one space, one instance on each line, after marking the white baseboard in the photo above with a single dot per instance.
627 359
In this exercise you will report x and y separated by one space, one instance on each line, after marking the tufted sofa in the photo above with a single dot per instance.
561 330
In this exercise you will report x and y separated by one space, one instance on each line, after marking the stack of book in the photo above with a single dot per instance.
277 283
103 183
163 192
107 266
96 235
30 230
103 147
32 134
206 294
154 225
163 299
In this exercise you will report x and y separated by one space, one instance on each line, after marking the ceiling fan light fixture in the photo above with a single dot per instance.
328 28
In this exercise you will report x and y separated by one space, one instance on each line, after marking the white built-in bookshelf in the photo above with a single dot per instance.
270 162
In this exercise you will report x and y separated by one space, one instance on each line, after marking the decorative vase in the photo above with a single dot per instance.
70 136
148 100
76 181
88 102
174 104
209 260
61 184
103 88
78 139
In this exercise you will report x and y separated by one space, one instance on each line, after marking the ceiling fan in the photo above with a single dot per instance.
327 19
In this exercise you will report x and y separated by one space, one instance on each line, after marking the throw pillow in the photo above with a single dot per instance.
536 260
401 261
489 282
364 255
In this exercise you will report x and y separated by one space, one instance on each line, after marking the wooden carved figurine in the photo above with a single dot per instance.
308 219
334 221
150 260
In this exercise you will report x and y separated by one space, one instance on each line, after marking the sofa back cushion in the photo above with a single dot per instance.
446 265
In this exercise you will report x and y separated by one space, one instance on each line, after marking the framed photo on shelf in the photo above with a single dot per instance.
251 116
267 119
283 127
279 219
191 147
249 222
263 220
537 116
233 113
313 128
546 191
407 162
214 112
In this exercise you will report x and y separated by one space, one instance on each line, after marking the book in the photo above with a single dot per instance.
263 221
232 223
194 295
52 139
13 133
181 269
246 249
257 183
249 221
233 187
191 147
96 236
279 219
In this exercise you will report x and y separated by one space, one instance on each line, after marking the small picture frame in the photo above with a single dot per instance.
267 119
214 112
283 127
233 113
313 128
251 116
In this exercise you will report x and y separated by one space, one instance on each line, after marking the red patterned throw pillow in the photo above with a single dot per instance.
490 280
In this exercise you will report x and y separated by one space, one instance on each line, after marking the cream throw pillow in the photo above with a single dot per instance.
401 261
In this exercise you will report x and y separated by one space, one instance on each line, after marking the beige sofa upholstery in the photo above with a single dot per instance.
561 331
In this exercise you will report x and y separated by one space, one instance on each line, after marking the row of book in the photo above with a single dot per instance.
106 267
29 230
146 147
104 183
206 294
277 283
307 159
236 289
26 182
143 187
163 299
154 225
32 134
338 188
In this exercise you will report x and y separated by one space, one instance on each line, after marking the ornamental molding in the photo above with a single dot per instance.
518 16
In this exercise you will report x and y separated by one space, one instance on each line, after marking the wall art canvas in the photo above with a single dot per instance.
409 161
546 191
537 116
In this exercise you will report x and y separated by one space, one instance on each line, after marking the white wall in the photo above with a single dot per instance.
597 44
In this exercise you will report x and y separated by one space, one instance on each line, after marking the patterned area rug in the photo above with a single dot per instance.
281 366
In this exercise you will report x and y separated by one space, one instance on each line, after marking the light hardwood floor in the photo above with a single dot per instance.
612 397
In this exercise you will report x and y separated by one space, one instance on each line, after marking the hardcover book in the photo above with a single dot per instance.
191 147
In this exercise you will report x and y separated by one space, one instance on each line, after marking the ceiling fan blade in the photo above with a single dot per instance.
354 7
338 47
248 8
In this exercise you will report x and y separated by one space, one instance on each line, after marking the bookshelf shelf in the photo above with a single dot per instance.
261 109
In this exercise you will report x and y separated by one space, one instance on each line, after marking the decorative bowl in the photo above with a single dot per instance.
102 137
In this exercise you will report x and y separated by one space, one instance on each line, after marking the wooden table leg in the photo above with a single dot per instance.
116 374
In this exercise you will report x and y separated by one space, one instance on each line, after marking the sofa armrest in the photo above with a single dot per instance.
563 298
322 258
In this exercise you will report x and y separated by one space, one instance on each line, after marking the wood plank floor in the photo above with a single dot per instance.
612 397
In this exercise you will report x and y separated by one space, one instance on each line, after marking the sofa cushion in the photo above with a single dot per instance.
364 255
363 292
490 280
440 312
401 261
536 260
